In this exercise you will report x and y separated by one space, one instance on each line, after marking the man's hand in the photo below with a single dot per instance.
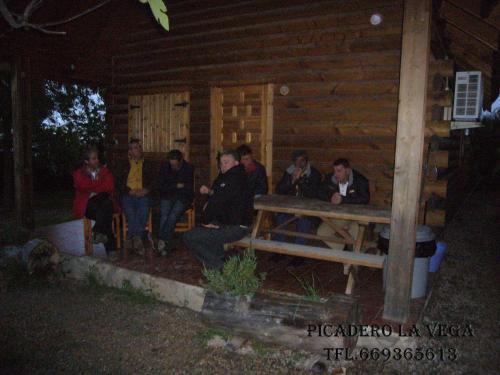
180 185
134 192
296 174
211 226
336 198
204 189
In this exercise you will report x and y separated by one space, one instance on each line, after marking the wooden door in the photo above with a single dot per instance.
242 115
160 121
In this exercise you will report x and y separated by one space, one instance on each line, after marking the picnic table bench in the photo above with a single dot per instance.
364 215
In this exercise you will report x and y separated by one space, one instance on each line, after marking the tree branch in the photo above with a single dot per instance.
22 20
49 24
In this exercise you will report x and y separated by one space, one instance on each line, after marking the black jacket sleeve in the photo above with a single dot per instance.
285 185
166 183
326 188
309 186
361 193
261 187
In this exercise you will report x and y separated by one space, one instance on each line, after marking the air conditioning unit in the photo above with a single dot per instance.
468 102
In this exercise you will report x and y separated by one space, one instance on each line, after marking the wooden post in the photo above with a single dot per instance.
8 163
409 155
22 141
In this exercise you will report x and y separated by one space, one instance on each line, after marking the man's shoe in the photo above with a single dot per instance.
162 247
112 256
129 244
138 245
99 238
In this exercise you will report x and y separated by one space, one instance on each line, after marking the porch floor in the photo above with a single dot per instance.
181 266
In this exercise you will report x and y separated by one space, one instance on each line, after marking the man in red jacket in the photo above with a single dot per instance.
94 187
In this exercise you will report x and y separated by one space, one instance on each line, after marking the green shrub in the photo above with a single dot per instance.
238 276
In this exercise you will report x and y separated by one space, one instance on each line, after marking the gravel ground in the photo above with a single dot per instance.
74 328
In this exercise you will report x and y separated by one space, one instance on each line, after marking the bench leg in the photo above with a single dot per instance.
256 228
350 268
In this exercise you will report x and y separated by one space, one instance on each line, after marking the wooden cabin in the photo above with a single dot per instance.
319 75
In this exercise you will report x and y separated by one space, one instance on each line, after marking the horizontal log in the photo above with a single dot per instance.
268 64
259 23
282 319
235 55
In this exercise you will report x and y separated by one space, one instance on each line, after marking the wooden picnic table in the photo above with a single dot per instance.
298 207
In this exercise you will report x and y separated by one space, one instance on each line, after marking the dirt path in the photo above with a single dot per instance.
74 329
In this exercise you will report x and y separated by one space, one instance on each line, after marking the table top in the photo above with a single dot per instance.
315 207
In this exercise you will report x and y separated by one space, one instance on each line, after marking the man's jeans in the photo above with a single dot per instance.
136 210
207 244
171 211
304 225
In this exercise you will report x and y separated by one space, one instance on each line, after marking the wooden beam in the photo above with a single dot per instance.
470 24
409 154
22 141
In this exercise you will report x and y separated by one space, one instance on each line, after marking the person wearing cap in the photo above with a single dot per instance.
343 185
300 179
256 172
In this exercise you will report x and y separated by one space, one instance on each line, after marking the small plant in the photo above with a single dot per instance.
238 276
136 295
312 293
207 334
94 279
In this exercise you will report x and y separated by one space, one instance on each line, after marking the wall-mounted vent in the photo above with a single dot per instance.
468 100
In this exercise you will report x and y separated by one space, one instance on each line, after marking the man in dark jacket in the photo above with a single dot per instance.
176 185
343 186
227 215
302 180
135 183
256 172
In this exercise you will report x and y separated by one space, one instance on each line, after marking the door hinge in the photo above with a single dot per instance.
132 106
183 104
182 140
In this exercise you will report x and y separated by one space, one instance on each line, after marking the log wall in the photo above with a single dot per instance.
342 74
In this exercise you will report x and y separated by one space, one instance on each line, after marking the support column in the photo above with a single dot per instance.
409 155
22 141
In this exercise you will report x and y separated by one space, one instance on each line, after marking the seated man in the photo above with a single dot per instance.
227 215
135 184
94 188
256 172
343 186
176 196
302 180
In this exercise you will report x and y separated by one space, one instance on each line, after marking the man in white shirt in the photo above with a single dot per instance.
343 186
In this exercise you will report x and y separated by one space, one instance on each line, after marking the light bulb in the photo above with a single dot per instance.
376 19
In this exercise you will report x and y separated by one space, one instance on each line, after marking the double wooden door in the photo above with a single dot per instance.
160 121
242 115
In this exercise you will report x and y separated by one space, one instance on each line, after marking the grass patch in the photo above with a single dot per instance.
238 277
127 292
136 295
309 288
205 335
